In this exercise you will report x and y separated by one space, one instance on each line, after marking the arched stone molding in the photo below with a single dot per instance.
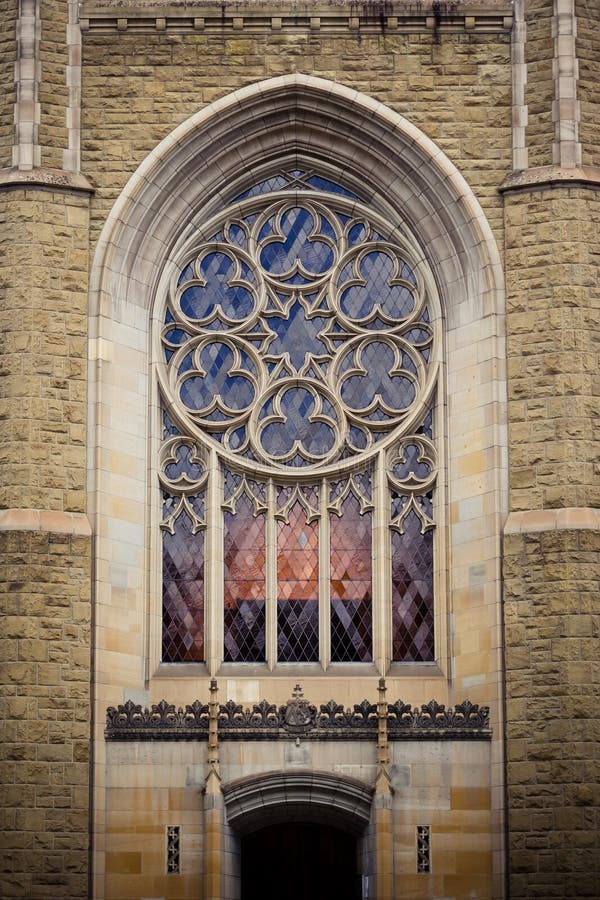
298 796
191 171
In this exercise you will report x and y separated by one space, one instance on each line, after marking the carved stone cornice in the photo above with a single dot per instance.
374 16
541 177
265 721
42 177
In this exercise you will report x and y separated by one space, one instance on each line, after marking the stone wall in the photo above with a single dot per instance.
551 558
53 91
539 92
44 271
552 615
45 544
553 337
588 87
45 609
137 89
8 55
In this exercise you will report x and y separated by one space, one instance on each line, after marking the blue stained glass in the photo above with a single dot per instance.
200 301
297 335
394 300
186 364
427 426
237 438
235 391
264 187
279 256
357 438
177 336
169 428
186 274
357 235
418 336
408 364
237 235
324 184
314 437
378 384
185 465
412 464
407 273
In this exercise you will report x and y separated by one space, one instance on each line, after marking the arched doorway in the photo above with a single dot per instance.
299 860
299 834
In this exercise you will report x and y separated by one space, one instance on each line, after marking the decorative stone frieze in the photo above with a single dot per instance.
297 718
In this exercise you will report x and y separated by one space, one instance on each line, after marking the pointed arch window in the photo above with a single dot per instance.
298 362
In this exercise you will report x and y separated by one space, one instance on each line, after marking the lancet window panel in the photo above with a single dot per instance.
299 351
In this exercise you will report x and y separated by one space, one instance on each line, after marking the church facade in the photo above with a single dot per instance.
300 483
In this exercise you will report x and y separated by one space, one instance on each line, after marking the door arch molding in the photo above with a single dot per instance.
254 802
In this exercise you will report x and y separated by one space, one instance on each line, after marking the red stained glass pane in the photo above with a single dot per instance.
183 594
412 593
351 606
244 586
298 588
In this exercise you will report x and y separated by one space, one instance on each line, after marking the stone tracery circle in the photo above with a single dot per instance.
283 269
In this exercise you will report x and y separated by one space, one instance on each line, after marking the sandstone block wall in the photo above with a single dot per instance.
553 345
45 545
45 684
8 56
43 317
53 91
551 548
539 92
138 88
588 54
552 615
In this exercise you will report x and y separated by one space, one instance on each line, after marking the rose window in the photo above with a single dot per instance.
297 379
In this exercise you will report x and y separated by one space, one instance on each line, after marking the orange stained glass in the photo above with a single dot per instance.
244 585
183 593
412 593
351 588
298 588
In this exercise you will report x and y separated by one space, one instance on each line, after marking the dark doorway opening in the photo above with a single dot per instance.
299 861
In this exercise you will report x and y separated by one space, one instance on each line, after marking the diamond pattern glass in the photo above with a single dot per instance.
298 588
244 585
412 593
183 593
351 606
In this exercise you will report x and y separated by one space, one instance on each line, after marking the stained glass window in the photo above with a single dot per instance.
244 583
297 588
299 360
351 584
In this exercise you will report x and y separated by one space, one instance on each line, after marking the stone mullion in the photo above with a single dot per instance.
271 577
324 580
213 567
382 564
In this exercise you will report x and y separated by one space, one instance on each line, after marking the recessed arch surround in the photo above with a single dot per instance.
298 796
190 173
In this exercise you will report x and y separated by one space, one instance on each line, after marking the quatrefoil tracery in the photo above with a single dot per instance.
298 335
